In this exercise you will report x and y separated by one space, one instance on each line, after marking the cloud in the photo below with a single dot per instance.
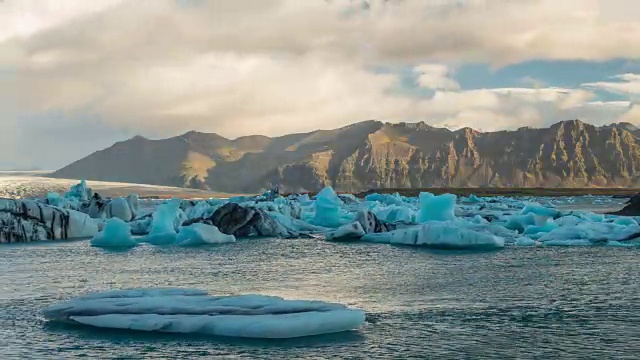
629 84
279 66
435 76
27 17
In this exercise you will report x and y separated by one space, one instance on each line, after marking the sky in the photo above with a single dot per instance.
77 76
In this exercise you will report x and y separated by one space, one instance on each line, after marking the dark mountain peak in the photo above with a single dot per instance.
421 125
467 130
138 138
197 135
623 126
569 124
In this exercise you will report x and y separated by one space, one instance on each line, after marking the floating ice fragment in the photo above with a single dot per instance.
328 208
193 311
437 208
116 233
162 231
386 199
439 235
626 221
525 241
540 210
347 232
199 234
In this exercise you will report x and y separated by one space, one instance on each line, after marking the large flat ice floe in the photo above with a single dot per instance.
195 311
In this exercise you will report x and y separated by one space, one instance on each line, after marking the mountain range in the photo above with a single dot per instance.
373 154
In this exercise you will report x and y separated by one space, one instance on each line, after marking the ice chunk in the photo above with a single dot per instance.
116 233
193 311
349 199
240 221
408 236
479 220
509 236
199 234
296 225
589 216
437 208
533 230
164 217
439 235
568 220
78 225
626 221
328 208
474 199
525 241
520 222
163 223
120 208
28 220
591 233
386 199
370 222
347 232
81 192
450 236
53 198
540 210
395 213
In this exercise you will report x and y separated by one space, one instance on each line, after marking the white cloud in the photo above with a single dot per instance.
632 116
435 76
280 66
629 84
27 17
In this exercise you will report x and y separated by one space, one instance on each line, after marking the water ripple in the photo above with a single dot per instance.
516 303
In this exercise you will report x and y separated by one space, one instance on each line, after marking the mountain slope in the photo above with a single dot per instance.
373 154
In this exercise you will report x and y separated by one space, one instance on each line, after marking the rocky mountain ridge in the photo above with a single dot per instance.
373 154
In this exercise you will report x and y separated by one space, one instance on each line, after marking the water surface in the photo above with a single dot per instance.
579 302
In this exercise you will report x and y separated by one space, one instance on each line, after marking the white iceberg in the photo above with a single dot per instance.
194 311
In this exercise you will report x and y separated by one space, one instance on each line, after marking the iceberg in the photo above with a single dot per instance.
474 199
386 199
540 210
81 192
162 231
351 231
116 233
240 221
438 235
29 220
590 234
195 311
199 234
437 208
396 213
370 223
53 198
328 208
525 241
450 236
